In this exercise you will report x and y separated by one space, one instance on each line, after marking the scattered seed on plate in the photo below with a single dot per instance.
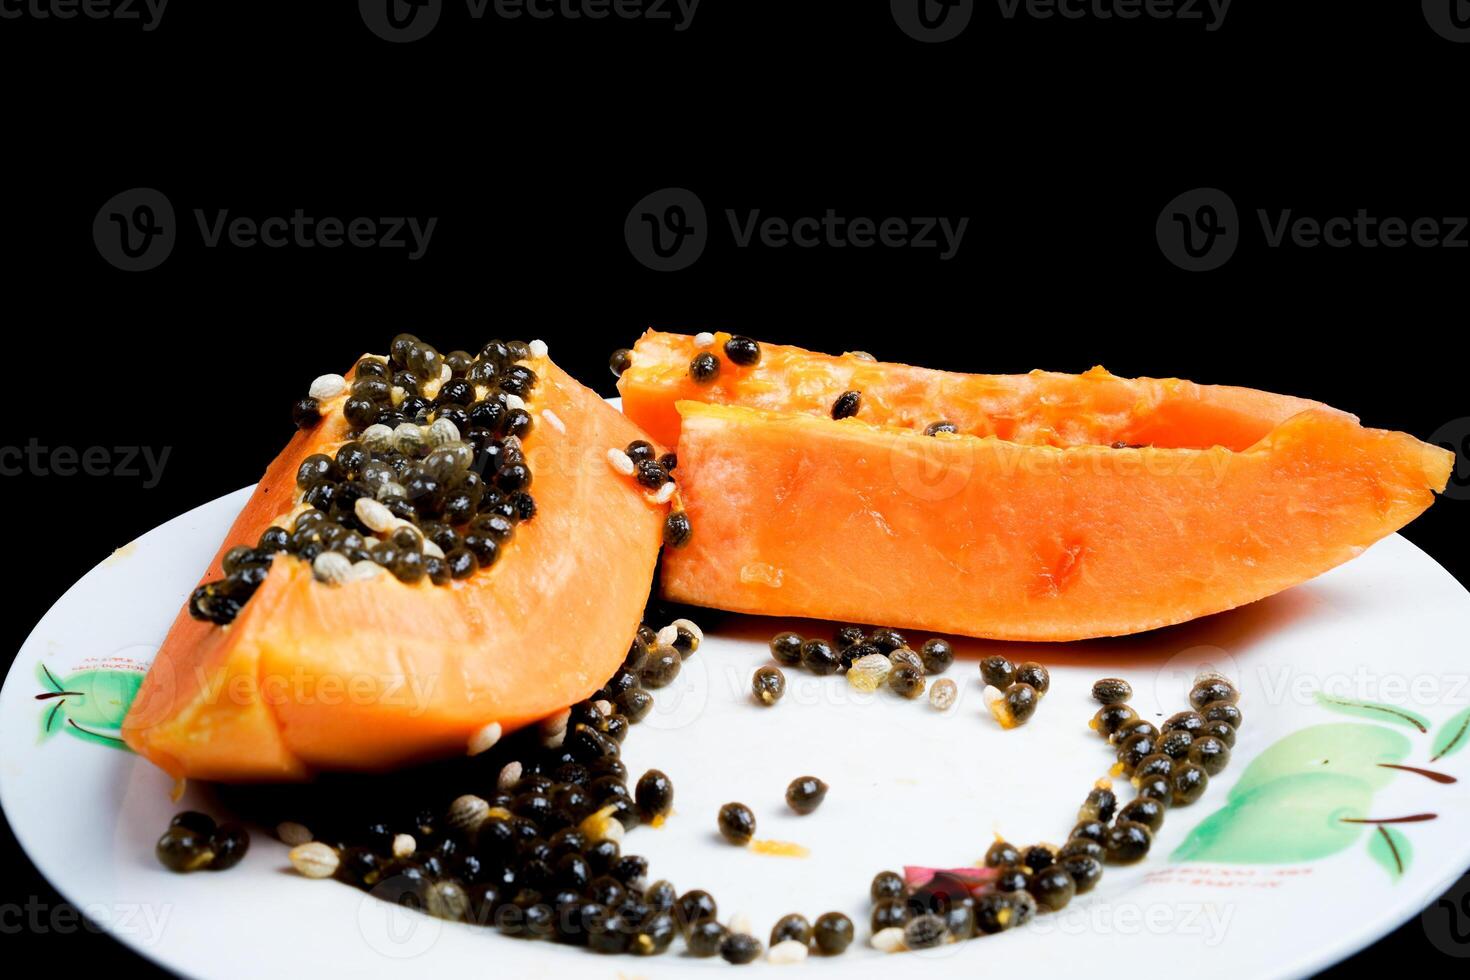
1111 690
888 940
661 667
937 655
291 833
998 672
818 657
1211 687
906 680
737 823
467 812
904 656
1034 674
768 684
943 694
925 932
184 849
805 794
786 952
870 672
687 637
315 859
654 795
1226 711
739 948
1127 843
1188 783
1111 717
793 926
832 934
786 649
1014 706
886 884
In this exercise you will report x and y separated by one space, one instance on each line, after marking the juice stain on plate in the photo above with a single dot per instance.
779 848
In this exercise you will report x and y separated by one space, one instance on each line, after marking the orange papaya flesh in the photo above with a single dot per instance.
372 675
1040 408
1047 533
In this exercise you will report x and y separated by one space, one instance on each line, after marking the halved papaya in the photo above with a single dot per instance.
1049 507
376 671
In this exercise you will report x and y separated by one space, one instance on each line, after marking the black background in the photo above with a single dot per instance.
529 141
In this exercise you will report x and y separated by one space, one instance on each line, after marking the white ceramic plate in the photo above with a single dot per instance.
1279 885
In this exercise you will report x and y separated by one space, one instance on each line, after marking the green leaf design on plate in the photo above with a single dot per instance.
1391 849
1452 736
53 719
1392 714
1292 802
46 679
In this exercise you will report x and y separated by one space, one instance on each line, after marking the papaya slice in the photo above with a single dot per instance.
1061 507
377 672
